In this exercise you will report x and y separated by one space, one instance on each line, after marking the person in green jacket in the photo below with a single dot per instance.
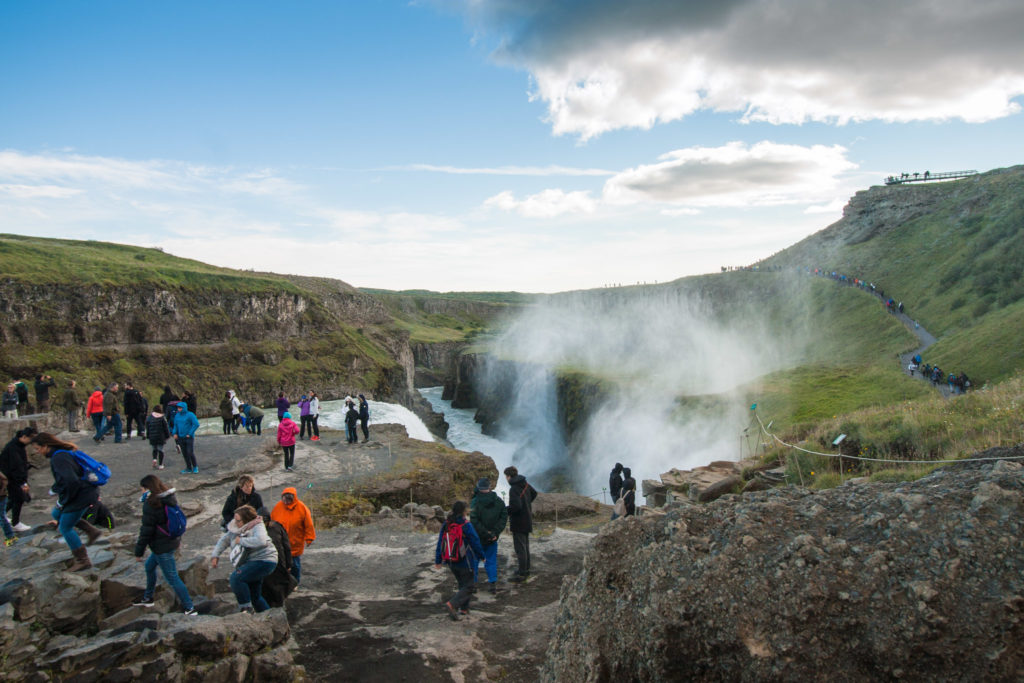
488 514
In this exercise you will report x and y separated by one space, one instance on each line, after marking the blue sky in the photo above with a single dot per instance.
488 145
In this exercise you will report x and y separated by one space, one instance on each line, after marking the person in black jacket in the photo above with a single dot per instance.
629 491
244 494
364 417
14 466
157 432
74 495
154 535
134 410
615 484
520 519
280 583
42 385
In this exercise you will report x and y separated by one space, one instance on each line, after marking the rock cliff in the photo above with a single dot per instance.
922 580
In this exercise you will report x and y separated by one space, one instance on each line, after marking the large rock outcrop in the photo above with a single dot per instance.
922 581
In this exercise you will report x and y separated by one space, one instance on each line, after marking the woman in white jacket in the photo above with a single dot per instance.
253 555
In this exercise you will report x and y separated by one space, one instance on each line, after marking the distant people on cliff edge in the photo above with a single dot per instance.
253 418
253 556
184 433
314 415
162 539
295 517
458 546
615 486
489 517
286 433
628 492
236 412
157 433
244 493
305 419
72 404
351 420
225 413
520 520
42 387
364 417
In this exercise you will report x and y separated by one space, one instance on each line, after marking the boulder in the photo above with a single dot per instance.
718 489
566 505
651 487
275 666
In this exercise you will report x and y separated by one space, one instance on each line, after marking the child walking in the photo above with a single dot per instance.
158 433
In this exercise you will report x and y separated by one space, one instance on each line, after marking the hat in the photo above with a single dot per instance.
286 414
483 485
304 397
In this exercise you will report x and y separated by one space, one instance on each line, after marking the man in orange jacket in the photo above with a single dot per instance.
294 516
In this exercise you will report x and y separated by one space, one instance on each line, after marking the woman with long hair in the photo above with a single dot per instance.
253 555
458 546
74 495
155 535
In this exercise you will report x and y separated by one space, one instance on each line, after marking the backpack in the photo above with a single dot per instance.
453 543
93 471
177 522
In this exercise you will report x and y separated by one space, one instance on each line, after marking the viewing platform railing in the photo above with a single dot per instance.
927 176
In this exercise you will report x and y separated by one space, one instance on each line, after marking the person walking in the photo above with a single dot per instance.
184 432
351 419
364 417
286 432
155 535
14 467
134 411
112 413
243 494
520 520
42 387
489 517
74 494
459 547
72 404
253 556
157 433
295 517
314 416
225 413
94 409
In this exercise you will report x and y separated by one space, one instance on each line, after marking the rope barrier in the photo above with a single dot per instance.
858 457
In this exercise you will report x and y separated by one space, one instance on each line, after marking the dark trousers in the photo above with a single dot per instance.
464 575
314 420
521 543
229 423
305 425
289 455
350 432
15 500
158 453
187 446
140 422
255 425
366 430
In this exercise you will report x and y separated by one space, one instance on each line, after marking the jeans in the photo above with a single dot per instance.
98 422
66 521
187 445
490 559
255 425
464 575
521 543
158 453
113 423
170 572
72 420
297 567
8 531
247 583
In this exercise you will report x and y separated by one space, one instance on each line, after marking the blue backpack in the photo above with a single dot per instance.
177 522
93 471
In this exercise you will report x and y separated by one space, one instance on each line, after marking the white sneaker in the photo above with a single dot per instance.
21 526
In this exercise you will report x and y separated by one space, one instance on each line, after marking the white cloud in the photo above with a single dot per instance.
763 174
545 204
38 191
510 170
834 207
600 66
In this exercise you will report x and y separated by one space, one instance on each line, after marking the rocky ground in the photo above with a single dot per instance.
370 604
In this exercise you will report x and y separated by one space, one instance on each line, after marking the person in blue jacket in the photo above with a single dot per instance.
462 568
184 431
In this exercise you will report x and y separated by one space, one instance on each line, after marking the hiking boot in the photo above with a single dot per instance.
92 532
143 602
80 561
452 614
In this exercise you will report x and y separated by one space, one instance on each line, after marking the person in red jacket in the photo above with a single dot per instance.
294 516
94 409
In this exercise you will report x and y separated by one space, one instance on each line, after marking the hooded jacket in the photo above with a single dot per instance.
72 492
225 409
520 505
157 430
185 423
283 405
153 532
286 432
297 521
474 550
95 404
489 516
235 402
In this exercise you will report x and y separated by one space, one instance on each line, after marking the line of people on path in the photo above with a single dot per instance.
958 384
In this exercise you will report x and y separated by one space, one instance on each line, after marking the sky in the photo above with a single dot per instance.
484 145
